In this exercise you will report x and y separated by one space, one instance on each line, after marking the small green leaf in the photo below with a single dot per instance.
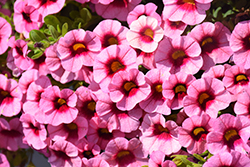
52 20
46 44
58 29
79 25
37 55
74 14
64 19
37 36
85 14
64 29
53 32
197 156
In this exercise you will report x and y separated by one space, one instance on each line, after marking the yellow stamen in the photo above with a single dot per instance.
78 46
189 1
229 134
180 89
72 126
91 106
112 41
123 153
198 130
129 85
116 65
206 41
158 88
148 32
177 54
61 101
241 77
203 97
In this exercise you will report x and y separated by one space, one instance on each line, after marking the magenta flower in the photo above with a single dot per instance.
214 43
193 133
233 159
145 33
128 89
229 133
112 60
115 8
173 28
64 153
111 32
34 132
58 106
5 32
206 95
242 104
78 48
4 161
158 133
121 152
156 102
148 10
181 53
239 43
189 11
175 88
146 59
10 97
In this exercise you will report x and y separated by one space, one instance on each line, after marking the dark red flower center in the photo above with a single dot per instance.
159 129
189 2
78 48
180 89
204 98
116 66
199 133
120 3
230 136
178 56
4 94
147 34
61 154
88 154
105 134
34 128
124 157
129 85
42 2
26 17
241 79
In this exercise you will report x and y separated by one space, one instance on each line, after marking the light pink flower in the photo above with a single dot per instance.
217 71
5 32
145 59
242 105
27 78
4 161
173 28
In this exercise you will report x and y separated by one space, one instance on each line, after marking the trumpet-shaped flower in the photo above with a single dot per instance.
173 28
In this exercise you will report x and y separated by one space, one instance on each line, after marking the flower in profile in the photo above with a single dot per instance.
119 9
240 44
148 10
214 43
233 159
128 88
206 95
10 97
111 60
158 133
190 12
217 71
144 34
121 152
229 133
5 32
181 53
111 32
97 162
242 105
173 28
145 59
27 78
78 48
157 158
64 153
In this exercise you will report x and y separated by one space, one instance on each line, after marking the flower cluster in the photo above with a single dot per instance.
125 83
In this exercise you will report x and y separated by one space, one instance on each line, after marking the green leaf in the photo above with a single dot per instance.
53 32
85 14
52 20
37 55
197 156
58 29
74 14
37 36
65 28
64 19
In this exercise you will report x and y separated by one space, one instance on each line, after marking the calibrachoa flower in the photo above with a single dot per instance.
193 133
10 97
145 33
78 48
128 88
214 42
217 71
242 105
206 95
27 78
64 153
229 133
158 134
4 161
173 28
240 44
157 158
233 159
112 60
97 162
111 32
146 59
148 10
5 32
189 11
116 9
59 106
123 153
181 53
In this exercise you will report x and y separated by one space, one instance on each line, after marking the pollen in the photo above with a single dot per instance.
78 46
129 85
189 2
203 97
178 54
115 66
112 41
61 101
91 106
241 77
149 32
180 89
158 88
72 126
196 131
206 41
229 134
123 153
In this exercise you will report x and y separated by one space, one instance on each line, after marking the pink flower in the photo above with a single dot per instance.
242 105
27 78
239 43
217 71
157 158
158 133
111 32
111 60
78 48
10 97
173 28
116 9
189 11
97 162
146 59
214 42
5 32
144 34
128 89
206 95
58 106
181 53
4 161
121 152
229 133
